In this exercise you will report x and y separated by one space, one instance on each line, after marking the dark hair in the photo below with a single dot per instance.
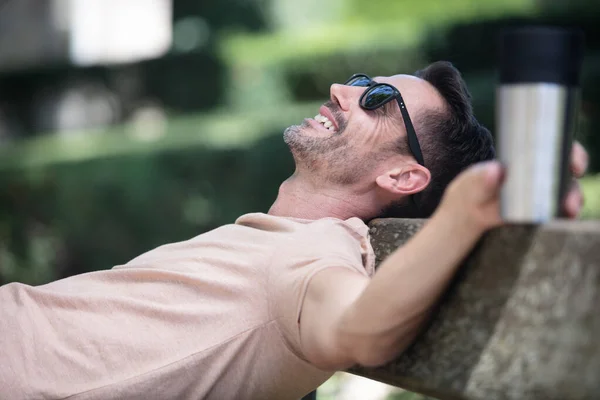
451 139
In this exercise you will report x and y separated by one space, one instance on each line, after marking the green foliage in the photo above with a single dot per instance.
220 129
590 185
389 25
428 11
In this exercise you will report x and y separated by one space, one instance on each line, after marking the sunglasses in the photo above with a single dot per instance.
379 94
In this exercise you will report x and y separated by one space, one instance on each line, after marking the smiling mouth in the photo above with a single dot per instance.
323 120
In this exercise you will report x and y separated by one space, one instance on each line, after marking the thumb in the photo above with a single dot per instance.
484 180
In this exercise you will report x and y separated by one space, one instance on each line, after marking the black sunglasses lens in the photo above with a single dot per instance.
376 96
360 80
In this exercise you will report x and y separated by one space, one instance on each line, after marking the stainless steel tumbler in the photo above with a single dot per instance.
536 105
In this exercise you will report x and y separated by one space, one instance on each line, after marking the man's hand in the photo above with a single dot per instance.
474 195
472 200
573 202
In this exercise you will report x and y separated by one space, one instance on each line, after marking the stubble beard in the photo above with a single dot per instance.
329 159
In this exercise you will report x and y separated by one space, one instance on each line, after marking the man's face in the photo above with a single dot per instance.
351 144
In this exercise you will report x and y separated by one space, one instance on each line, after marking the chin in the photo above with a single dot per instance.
292 136
298 136
291 131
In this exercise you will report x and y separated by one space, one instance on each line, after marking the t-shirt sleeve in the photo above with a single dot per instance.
294 265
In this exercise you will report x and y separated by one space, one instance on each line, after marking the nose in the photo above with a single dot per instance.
342 95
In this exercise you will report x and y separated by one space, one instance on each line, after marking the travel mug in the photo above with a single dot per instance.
536 111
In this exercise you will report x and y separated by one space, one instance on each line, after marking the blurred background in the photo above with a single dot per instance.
127 124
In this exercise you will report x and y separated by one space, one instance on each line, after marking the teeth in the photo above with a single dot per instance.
321 118
325 121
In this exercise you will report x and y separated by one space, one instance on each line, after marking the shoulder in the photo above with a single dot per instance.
328 241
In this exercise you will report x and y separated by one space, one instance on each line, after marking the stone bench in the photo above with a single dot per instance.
521 320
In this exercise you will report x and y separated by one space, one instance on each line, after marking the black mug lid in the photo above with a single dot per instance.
541 54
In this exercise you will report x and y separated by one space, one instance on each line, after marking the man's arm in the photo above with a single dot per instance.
348 319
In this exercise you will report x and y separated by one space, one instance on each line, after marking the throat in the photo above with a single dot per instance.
298 199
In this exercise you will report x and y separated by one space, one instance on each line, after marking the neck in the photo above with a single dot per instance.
301 199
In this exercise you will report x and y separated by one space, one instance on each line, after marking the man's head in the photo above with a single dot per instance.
366 153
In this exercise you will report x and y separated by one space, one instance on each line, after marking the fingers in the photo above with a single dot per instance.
573 202
495 175
491 174
483 180
579 160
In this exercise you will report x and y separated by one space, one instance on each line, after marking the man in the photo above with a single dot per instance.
271 306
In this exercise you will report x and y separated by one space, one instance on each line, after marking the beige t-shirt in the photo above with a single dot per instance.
213 317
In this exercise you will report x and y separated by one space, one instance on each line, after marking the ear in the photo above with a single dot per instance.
408 179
